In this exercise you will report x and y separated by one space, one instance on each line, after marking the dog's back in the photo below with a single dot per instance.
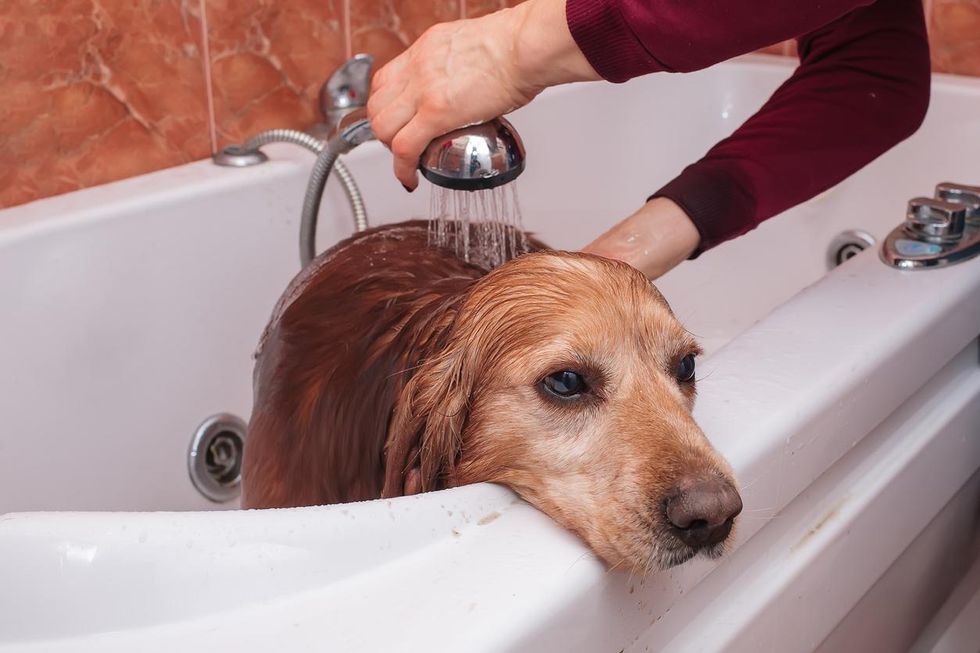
339 347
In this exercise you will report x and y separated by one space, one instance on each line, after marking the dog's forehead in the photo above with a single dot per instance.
574 270
586 301
629 306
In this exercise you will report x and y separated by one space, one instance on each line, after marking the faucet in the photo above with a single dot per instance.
938 231
345 91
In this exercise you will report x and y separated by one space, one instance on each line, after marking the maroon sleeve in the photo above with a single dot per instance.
861 87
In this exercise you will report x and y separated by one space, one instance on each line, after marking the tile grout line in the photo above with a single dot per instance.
348 40
206 63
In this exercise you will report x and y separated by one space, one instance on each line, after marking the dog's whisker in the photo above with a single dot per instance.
584 556
746 486
706 376
615 566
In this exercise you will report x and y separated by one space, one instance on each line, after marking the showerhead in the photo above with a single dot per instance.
476 157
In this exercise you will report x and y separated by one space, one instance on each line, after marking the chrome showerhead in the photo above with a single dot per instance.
476 157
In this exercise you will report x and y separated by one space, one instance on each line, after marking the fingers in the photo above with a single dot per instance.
407 146
407 131
386 85
449 77
392 118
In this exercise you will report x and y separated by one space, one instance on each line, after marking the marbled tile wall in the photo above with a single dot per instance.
99 90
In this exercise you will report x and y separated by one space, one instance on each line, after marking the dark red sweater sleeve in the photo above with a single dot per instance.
862 86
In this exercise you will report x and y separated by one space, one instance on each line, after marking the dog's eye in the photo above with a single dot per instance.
685 369
565 384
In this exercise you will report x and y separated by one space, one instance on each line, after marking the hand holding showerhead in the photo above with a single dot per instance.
468 72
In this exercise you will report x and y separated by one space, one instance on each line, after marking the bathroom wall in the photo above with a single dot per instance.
99 90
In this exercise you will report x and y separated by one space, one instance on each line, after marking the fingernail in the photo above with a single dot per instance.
407 189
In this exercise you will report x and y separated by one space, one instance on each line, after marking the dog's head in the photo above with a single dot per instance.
566 377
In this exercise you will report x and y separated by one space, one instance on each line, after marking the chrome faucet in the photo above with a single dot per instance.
938 231
345 91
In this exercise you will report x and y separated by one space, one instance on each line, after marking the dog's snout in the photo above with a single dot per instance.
702 510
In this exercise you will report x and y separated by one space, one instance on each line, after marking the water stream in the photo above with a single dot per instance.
483 227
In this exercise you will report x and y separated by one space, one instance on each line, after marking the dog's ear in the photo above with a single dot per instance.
426 428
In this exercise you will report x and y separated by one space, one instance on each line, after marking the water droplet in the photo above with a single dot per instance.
484 227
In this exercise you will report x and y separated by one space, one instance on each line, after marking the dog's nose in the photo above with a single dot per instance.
702 510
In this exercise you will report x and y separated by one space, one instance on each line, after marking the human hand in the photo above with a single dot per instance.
471 71
657 237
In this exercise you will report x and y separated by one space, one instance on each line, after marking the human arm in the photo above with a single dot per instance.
862 86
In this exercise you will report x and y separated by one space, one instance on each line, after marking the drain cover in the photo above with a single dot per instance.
214 460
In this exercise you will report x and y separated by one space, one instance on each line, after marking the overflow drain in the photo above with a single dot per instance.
214 460
846 245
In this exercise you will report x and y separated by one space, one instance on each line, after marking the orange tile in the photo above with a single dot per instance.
97 90
415 17
374 29
383 28
475 8
268 61
954 35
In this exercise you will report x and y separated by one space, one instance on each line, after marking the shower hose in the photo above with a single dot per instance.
326 161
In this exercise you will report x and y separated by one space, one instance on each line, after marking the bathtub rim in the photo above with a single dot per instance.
119 197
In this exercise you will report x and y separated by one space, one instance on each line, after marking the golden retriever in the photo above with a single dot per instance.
392 367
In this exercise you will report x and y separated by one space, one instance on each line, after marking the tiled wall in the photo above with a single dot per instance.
954 36
98 90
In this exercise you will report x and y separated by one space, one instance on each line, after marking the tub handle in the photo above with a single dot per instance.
968 196
935 220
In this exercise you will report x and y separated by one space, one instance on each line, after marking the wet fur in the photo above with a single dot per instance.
391 367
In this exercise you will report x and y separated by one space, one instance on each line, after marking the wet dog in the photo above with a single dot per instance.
391 367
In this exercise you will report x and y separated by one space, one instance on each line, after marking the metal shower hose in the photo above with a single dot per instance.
325 162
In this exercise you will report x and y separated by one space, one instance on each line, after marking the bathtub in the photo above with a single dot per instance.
847 400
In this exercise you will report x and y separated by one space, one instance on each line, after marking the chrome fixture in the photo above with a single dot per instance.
239 156
474 158
214 459
847 245
346 90
938 231
968 196
354 128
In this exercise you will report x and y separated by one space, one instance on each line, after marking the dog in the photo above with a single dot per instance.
391 367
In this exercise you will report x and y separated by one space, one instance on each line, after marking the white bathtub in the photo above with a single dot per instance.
848 403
